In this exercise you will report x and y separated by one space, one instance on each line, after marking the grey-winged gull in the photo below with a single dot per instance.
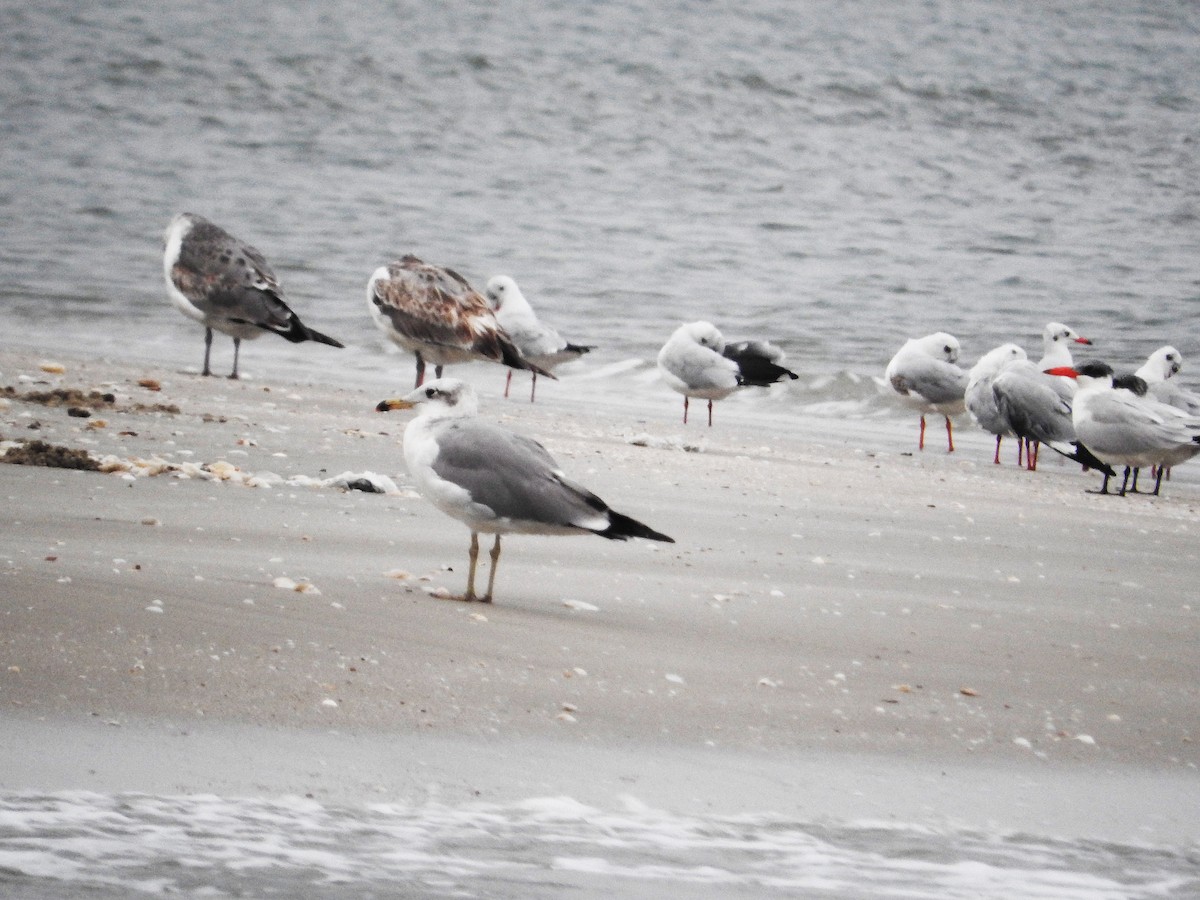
1122 428
496 481
226 284
434 313
979 398
537 341
923 375
696 362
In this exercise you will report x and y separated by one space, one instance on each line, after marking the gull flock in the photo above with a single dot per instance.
498 482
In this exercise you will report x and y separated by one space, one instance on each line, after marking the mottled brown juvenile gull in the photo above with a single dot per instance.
495 481
433 312
226 284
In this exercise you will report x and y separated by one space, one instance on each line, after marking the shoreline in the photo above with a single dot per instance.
840 622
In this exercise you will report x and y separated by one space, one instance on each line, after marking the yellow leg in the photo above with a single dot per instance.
474 555
492 574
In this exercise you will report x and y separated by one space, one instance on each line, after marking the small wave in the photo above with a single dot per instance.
539 847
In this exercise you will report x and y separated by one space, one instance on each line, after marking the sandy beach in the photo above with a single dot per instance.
844 629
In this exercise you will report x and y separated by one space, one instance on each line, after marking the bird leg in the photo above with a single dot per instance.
1158 480
1133 488
420 370
533 389
1020 450
997 459
473 555
921 439
437 371
949 435
237 345
710 414
507 382
1031 454
495 554
685 406
207 350
1124 481
1103 487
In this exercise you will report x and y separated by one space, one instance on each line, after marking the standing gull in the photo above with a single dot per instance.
496 481
226 284
923 376
1037 406
538 342
980 400
1122 428
696 362
433 312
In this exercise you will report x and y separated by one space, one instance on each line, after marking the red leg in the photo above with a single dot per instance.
921 440
997 459
949 435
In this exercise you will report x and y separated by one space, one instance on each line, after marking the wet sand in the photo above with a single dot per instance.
845 629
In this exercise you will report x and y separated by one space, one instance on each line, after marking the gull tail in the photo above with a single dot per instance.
621 528
762 372
1084 457
297 332
511 357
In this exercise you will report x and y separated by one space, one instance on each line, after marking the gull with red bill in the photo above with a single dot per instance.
1122 428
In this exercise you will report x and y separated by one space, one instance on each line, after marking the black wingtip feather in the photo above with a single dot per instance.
622 527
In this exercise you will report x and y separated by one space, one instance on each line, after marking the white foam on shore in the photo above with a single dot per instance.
217 846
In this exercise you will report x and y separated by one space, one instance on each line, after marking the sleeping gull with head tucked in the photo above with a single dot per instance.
435 314
923 375
226 284
696 362
538 342
495 481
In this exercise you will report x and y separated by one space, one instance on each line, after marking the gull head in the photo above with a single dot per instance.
1058 333
939 345
501 290
441 398
705 334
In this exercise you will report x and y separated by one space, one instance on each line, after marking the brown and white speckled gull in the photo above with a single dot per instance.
226 284
434 313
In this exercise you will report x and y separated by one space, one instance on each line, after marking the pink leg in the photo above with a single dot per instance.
921 441
949 436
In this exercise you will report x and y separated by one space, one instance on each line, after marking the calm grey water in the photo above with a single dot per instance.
839 176
836 176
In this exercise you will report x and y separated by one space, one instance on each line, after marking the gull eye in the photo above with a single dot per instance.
430 393
946 349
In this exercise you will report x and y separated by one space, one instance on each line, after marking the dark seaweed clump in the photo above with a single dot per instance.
39 453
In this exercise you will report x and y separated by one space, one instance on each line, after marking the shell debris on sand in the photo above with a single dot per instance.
299 587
